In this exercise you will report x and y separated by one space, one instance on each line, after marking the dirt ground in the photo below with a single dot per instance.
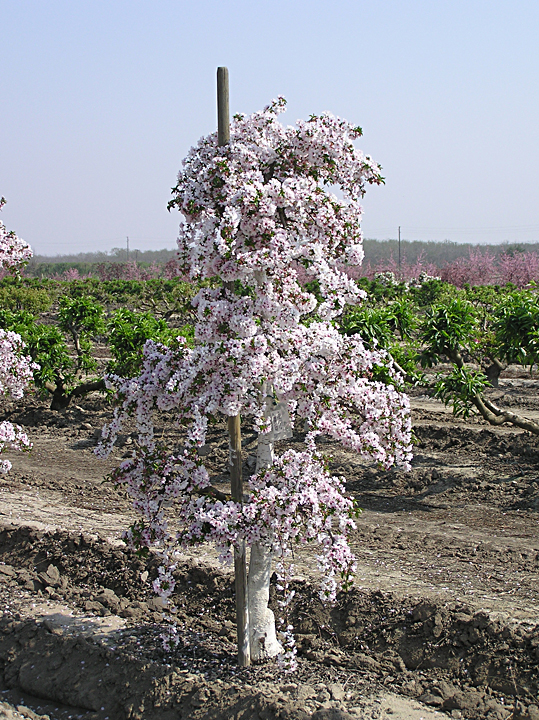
443 619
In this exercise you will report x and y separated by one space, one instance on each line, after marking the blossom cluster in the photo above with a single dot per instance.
13 250
261 205
12 436
15 367
260 216
389 279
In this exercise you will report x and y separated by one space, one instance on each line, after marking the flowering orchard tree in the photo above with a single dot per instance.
521 268
13 250
15 368
258 211
479 268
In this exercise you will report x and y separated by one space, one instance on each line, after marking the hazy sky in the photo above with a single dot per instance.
102 100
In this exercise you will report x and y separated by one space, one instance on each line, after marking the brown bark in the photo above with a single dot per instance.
491 412
61 398
493 371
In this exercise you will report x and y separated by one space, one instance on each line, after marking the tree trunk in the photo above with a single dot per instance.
493 372
61 398
262 635
491 412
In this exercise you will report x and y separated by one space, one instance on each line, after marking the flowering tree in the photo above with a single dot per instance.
520 268
479 268
15 367
257 212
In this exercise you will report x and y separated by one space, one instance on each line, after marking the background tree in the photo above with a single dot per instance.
453 330
15 367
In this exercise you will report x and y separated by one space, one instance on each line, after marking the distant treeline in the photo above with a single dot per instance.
377 253
437 253
88 263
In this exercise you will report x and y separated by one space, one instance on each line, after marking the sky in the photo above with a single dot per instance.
101 100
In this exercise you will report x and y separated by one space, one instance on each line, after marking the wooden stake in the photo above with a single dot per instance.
234 424
223 107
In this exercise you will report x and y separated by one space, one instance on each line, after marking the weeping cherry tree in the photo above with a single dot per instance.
260 215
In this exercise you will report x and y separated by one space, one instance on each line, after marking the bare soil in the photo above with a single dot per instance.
443 618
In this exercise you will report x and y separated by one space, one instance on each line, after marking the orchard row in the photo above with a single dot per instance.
424 324
62 322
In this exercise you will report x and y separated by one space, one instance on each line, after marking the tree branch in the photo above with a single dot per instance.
497 416
491 412
213 492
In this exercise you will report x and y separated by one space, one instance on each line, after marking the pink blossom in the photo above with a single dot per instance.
13 250
519 268
479 268
15 367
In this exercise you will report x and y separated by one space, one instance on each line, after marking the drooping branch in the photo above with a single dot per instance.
490 411
497 416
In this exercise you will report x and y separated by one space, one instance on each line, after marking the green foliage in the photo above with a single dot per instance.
378 291
459 388
484 296
44 343
373 324
432 291
47 347
446 329
402 317
80 314
86 287
19 297
313 286
128 331
16 321
58 373
407 358
378 326
82 319
162 297
516 328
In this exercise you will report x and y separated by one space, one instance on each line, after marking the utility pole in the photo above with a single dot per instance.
128 249
399 250
234 423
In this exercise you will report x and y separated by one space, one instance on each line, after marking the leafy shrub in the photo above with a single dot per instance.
127 332
459 388
32 300
516 328
82 319
373 325
45 344
446 329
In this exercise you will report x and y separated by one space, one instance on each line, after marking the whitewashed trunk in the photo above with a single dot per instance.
262 635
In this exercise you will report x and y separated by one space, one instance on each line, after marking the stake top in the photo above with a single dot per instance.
223 112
